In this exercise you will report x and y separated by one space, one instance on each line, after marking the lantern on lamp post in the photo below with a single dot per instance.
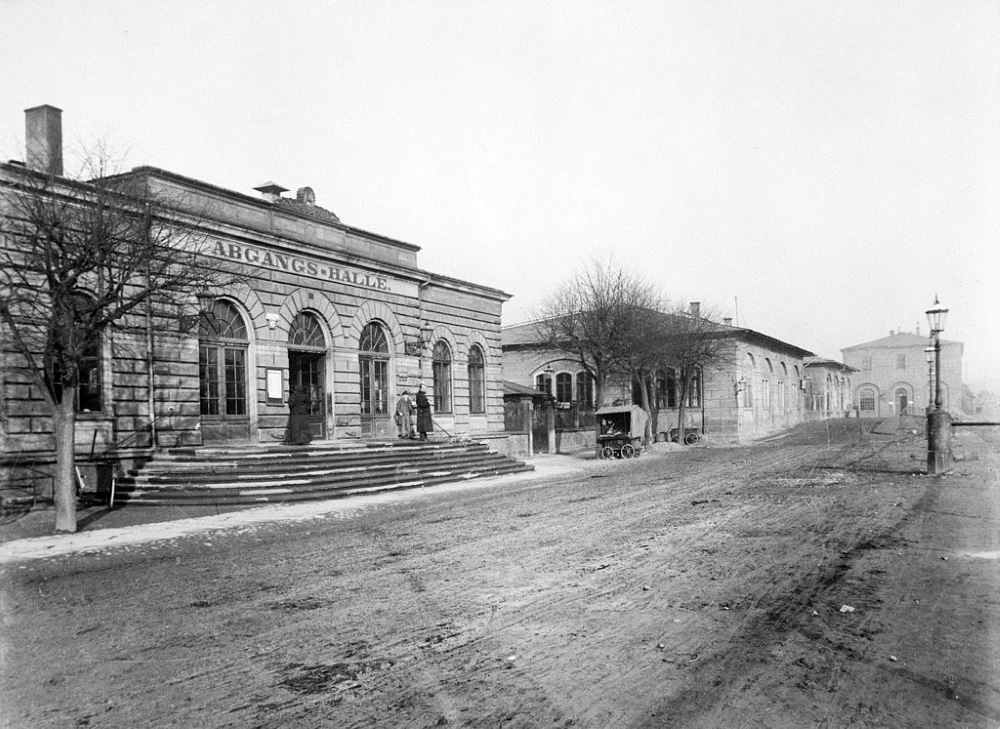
938 420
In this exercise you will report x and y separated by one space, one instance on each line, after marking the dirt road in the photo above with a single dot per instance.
811 581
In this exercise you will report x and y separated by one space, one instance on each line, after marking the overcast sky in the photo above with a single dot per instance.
818 169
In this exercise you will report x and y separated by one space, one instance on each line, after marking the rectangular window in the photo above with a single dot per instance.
442 387
236 381
89 395
208 377
585 389
694 392
900 361
666 388
765 394
866 364
564 387
477 387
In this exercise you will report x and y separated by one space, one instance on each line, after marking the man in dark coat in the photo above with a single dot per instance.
298 416
424 423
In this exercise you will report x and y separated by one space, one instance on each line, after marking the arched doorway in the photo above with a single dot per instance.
307 366
222 374
373 364
902 400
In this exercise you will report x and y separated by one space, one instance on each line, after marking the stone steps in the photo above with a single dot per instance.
272 474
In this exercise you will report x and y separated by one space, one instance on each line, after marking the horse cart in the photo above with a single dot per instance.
621 431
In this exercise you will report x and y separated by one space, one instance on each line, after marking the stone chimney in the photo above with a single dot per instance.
727 320
271 191
43 139
695 309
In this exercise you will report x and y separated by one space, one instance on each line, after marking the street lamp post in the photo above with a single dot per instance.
929 354
938 420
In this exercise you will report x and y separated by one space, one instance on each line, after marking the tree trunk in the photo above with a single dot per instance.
654 408
64 486
681 399
644 391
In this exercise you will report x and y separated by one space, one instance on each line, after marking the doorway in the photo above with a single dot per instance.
307 370
902 401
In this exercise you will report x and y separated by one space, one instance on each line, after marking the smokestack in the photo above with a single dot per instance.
43 137
696 309
271 191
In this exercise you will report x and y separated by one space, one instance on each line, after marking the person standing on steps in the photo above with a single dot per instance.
424 423
298 416
404 412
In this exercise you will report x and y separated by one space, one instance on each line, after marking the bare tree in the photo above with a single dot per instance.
78 258
694 343
598 316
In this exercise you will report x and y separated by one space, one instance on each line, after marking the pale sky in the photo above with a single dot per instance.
830 166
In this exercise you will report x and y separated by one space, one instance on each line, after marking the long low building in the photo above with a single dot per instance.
758 387
345 313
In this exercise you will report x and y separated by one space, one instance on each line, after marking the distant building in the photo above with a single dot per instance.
828 388
895 374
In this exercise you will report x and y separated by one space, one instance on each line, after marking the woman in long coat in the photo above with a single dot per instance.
425 424
298 416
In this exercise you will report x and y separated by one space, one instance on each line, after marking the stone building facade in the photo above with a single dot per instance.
895 375
345 313
759 390
828 388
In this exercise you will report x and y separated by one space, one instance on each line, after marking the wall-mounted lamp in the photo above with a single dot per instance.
272 320
740 385
426 332
205 300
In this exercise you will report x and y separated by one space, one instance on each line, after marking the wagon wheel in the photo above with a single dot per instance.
691 437
628 450
607 452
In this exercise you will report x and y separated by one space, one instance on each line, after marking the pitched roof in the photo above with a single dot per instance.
522 336
894 341
830 364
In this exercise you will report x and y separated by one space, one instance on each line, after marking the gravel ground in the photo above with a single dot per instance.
815 580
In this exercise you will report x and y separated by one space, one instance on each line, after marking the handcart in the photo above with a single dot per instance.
621 430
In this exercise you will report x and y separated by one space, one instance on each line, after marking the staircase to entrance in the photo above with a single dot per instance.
280 473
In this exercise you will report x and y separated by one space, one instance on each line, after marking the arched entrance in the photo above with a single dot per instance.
373 364
307 367
902 400
222 374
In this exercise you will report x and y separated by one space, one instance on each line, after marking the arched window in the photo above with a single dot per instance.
441 367
222 361
306 332
542 383
564 387
373 363
746 395
373 339
585 389
867 398
477 380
